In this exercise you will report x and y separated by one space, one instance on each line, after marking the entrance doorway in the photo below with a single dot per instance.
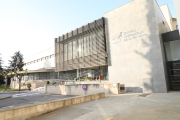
172 52
174 74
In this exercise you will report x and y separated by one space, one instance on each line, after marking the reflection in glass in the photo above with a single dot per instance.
65 52
80 49
173 50
74 49
85 46
70 50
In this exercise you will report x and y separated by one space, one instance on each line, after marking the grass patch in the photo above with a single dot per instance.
8 88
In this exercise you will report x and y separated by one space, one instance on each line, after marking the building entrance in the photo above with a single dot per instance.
172 49
174 74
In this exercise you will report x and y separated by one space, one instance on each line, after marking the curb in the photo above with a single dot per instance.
6 97
4 92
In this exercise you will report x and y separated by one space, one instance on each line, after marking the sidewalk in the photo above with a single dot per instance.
160 106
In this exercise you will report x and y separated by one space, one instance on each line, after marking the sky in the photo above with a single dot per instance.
30 26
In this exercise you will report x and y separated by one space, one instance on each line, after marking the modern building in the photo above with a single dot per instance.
172 22
40 66
137 45
177 9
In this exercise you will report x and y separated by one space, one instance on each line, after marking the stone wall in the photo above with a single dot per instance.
135 49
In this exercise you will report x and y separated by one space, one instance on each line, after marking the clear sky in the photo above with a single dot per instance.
31 25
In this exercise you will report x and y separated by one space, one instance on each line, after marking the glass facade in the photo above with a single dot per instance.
84 74
82 48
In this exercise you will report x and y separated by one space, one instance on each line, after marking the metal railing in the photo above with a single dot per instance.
60 77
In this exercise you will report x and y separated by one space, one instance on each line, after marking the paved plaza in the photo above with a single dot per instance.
160 106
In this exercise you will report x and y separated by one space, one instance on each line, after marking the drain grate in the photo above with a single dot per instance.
144 95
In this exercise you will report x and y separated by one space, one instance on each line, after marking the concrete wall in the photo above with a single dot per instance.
34 83
77 89
174 23
177 9
163 27
166 12
136 60
27 112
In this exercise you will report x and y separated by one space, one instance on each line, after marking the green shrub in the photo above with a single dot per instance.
29 86
47 82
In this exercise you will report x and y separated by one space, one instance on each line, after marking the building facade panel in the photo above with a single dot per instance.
134 47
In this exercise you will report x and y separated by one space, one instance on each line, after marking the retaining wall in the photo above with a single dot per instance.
76 89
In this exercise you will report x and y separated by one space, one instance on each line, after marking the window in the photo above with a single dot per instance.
52 56
85 47
47 57
80 49
177 27
65 52
173 50
101 45
90 42
70 50
74 49
94 46
42 58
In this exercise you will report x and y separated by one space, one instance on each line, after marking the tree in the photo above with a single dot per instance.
6 73
1 79
17 64
1 72
1 64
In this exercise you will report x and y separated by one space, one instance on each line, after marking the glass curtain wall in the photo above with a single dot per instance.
86 74
84 52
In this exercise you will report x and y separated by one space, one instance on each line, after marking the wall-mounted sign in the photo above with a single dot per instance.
84 87
118 38
133 34
129 35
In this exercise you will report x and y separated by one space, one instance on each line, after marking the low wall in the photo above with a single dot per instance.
76 89
27 112
34 83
